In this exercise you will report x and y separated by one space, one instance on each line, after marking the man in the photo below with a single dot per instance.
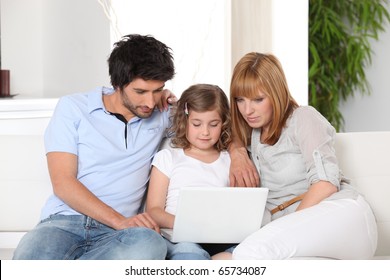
99 147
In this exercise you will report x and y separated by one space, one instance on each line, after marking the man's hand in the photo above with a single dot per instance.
243 172
167 98
140 220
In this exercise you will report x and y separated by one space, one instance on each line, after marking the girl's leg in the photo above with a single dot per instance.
222 256
186 251
225 255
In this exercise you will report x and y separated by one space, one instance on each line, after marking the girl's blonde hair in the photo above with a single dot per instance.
257 72
201 98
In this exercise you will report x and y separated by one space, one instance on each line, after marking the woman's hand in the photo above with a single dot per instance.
316 193
243 172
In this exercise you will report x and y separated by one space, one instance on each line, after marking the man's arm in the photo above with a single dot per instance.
243 172
167 98
63 174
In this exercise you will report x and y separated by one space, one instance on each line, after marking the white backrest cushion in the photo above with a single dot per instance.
364 157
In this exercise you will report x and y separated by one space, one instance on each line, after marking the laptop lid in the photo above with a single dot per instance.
217 215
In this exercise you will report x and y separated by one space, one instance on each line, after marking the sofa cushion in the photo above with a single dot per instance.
364 157
25 182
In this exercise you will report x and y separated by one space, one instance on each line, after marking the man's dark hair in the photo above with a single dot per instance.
137 56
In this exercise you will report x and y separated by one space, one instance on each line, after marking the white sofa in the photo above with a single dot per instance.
364 157
24 183
24 180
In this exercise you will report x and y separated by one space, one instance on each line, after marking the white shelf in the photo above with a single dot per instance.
18 104
27 116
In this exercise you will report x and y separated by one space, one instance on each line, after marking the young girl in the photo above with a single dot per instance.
201 127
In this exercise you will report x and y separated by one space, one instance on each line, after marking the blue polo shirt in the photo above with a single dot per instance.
114 167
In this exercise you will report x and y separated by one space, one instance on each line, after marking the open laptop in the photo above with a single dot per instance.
217 214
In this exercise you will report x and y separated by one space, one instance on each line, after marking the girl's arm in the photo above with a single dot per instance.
156 199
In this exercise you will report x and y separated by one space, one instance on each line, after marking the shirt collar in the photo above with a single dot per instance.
95 98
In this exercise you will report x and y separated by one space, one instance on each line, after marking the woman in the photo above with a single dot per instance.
311 209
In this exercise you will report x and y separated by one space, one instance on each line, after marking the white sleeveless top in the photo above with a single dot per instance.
184 171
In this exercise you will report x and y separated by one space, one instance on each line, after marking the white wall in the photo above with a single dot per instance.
195 30
251 28
209 36
371 112
290 44
21 45
57 47
279 27
54 47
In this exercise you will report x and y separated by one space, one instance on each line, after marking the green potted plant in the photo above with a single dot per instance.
339 50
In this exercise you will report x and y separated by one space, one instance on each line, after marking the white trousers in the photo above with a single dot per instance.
337 229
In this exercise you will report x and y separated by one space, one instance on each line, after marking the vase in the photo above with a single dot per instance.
4 83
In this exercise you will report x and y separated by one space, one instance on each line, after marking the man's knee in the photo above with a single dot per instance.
46 242
35 246
144 243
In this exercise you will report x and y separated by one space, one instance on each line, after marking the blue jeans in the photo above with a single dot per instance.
62 237
186 251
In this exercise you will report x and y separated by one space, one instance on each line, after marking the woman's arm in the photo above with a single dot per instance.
156 199
63 174
315 137
243 172
316 193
